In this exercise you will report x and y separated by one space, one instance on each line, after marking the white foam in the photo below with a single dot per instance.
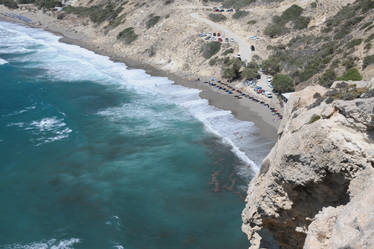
71 63
49 130
48 244
2 61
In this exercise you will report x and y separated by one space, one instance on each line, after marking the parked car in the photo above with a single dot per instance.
238 55
226 39
214 34
221 10
232 40
259 91
230 10
268 94
207 38
218 34
220 40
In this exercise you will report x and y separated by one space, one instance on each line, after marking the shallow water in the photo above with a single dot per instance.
95 155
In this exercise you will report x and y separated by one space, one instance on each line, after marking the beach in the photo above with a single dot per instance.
243 109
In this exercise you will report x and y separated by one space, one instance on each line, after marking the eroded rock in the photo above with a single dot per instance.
308 192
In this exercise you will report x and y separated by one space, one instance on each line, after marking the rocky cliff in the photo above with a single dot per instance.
315 188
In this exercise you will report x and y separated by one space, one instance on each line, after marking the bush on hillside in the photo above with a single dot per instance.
152 21
351 74
354 43
217 17
127 35
302 22
290 14
228 51
97 13
274 30
231 70
271 65
327 78
239 14
368 60
210 49
283 83
11 4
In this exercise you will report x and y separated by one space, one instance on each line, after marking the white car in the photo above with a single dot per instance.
238 55
268 94
232 40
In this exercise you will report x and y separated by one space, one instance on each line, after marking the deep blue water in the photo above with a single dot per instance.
94 155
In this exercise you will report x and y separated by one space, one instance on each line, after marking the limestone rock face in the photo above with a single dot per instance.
315 188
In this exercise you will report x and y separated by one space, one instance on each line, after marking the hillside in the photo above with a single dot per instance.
311 41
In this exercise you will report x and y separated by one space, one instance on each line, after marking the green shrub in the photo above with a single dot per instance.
11 4
251 22
213 61
351 74
152 21
368 46
228 51
274 30
250 71
210 49
327 78
349 62
127 35
239 14
236 4
217 17
313 5
302 22
271 65
283 83
97 14
292 13
232 71
354 43
370 38
314 118
366 25
368 60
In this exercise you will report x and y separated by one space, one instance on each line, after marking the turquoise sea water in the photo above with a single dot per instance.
94 155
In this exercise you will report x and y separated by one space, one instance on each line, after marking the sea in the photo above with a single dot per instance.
97 155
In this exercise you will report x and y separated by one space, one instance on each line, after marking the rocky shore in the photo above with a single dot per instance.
314 189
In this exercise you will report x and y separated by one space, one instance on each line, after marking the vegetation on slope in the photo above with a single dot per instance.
127 35
292 14
9 3
309 55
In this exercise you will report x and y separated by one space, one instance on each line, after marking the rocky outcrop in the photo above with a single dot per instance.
315 188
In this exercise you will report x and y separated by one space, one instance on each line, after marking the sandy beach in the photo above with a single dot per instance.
243 109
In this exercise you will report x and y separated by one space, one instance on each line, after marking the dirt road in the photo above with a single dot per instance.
244 46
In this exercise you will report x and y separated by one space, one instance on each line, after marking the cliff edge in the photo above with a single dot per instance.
315 187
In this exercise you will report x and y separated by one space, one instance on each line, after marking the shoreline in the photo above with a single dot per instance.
243 109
